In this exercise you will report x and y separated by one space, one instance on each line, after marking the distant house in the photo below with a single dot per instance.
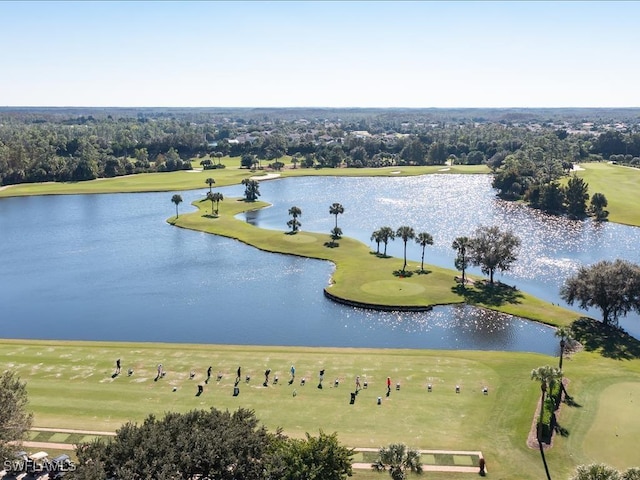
360 134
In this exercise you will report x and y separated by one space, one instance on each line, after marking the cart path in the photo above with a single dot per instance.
71 430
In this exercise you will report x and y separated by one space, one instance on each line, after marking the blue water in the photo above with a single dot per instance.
108 267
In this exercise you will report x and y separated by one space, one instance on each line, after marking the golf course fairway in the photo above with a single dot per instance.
71 385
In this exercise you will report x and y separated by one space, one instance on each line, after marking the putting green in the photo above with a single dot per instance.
614 432
396 288
300 238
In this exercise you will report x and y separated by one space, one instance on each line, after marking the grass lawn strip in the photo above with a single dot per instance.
615 431
497 424
378 287
232 175
621 186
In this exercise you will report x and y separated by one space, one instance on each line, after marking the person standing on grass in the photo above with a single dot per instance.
208 374
357 383
118 367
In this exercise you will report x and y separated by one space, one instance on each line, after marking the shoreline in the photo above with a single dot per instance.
346 284
378 307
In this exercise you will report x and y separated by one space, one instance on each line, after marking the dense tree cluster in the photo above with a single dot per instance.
527 149
211 444
83 149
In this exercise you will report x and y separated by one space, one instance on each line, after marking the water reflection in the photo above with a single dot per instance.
448 206
108 267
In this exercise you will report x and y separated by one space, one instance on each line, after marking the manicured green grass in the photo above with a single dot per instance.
616 426
363 277
194 179
621 186
70 386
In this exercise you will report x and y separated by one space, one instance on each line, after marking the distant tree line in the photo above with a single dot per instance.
45 145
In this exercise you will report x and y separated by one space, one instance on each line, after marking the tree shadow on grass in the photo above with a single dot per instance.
380 255
494 295
610 341
402 273
571 402
422 272
560 430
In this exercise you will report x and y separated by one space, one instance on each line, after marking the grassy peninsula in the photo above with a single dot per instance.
363 277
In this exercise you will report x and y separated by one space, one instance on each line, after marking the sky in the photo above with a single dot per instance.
415 54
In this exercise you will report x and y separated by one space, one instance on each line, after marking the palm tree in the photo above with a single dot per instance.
398 459
217 197
598 204
210 197
632 473
546 376
336 209
461 244
423 239
386 234
219 156
210 182
295 212
405 233
177 199
295 159
597 471
564 334
376 237
251 189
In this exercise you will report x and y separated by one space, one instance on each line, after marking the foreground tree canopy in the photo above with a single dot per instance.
14 419
612 287
210 444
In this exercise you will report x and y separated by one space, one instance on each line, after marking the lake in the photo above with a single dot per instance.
109 267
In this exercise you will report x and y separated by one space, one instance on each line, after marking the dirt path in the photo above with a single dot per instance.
428 468
70 430
49 446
